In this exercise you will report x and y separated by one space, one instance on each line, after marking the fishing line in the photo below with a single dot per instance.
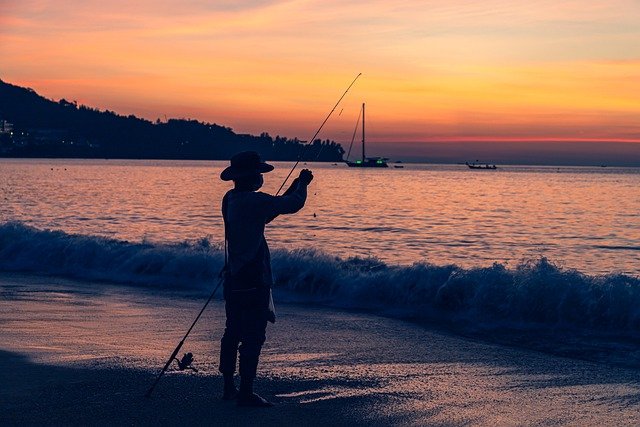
313 138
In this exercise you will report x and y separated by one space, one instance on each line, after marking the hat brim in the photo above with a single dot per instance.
231 173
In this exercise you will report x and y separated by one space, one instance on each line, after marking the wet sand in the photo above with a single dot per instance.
83 353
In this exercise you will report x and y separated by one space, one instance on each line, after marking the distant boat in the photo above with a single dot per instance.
484 166
398 166
364 162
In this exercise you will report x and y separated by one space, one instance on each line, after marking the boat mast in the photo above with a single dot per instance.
363 156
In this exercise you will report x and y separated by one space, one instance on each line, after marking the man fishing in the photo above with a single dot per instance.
248 279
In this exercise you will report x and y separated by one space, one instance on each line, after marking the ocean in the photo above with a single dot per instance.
581 218
522 243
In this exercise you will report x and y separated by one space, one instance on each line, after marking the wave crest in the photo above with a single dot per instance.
532 292
24 248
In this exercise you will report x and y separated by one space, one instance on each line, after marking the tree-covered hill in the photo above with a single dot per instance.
33 126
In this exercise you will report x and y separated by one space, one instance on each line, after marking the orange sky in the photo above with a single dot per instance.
432 70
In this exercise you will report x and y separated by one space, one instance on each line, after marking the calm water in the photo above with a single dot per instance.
583 218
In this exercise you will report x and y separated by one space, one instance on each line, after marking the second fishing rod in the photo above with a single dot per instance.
186 361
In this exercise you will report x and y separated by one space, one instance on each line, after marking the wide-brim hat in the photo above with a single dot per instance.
244 164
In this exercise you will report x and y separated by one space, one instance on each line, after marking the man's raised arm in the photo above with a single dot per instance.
293 199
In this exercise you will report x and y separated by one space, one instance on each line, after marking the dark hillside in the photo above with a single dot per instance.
33 126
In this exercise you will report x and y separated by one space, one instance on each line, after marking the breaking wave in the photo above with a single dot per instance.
535 292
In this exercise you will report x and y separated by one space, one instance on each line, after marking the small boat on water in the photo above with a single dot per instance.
483 166
364 162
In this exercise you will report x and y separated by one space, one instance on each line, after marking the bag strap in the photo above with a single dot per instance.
225 204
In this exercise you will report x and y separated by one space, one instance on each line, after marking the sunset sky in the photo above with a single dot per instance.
433 71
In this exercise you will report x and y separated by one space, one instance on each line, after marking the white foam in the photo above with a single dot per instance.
533 292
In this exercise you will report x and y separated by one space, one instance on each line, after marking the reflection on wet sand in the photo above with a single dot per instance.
321 366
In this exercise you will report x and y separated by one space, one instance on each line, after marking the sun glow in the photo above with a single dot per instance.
432 71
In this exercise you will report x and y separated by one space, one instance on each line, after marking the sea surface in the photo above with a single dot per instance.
539 248
583 218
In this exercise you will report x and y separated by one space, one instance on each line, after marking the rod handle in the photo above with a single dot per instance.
166 366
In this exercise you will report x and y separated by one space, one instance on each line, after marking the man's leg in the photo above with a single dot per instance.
252 341
229 348
254 326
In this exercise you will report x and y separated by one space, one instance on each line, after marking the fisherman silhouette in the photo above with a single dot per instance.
248 279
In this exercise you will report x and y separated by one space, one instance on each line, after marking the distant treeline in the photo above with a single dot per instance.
33 126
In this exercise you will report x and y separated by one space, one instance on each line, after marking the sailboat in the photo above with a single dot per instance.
365 162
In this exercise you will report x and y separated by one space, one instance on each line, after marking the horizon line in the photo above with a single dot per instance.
506 140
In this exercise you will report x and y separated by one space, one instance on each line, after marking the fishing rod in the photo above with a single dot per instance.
187 359
313 138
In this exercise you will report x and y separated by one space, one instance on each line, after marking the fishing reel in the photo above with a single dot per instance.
185 362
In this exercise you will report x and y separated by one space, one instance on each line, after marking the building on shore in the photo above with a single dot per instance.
6 127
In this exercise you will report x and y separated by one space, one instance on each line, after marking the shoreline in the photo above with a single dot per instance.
84 354
605 347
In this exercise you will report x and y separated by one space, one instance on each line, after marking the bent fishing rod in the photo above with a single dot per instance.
188 358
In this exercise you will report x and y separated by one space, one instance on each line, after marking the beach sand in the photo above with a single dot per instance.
85 353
